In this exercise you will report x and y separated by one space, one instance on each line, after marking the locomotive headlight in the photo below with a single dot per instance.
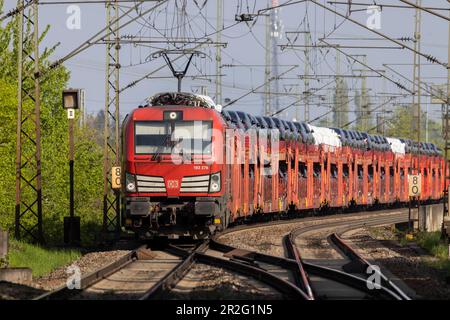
214 184
130 182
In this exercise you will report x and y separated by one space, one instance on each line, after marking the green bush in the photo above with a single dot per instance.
54 132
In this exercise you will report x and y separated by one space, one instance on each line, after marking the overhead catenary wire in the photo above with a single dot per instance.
93 40
259 87
398 84
426 56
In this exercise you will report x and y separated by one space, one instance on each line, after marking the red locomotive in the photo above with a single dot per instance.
190 169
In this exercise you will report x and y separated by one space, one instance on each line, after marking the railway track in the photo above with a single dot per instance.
141 274
324 279
341 259
145 274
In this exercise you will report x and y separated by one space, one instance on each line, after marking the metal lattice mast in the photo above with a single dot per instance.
365 116
306 79
219 52
111 198
275 34
383 109
28 218
446 131
338 100
267 102
415 124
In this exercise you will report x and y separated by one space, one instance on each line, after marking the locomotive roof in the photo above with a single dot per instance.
182 98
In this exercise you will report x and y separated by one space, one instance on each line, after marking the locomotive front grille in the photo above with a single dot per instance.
195 184
150 184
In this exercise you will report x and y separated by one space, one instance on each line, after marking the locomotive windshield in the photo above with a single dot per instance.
173 137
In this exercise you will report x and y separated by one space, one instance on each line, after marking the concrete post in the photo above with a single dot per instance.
3 244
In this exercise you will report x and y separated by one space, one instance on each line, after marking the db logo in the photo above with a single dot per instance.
172 184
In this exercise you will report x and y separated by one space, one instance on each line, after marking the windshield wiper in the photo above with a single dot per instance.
157 155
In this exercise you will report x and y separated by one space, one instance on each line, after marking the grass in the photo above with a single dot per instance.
41 260
432 243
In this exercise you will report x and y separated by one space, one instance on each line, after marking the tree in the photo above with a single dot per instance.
400 126
54 128
363 113
340 100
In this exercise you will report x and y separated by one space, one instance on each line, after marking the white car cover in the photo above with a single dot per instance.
396 145
325 136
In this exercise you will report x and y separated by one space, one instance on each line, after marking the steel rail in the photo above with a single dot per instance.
285 287
357 223
356 257
171 279
350 280
301 275
389 286
64 292
313 269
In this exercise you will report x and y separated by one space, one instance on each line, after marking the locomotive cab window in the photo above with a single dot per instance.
173 137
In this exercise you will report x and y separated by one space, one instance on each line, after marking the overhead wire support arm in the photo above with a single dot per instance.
426 10
259 87
136 41
372 110
99 37
199 45
426 56
398 84
17 10
300 100
292 46
148 75
424 88
382 5
22 7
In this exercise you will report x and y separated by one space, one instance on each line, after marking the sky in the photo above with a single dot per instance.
245 45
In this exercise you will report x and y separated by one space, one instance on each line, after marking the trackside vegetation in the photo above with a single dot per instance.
432 243
41 260
55 168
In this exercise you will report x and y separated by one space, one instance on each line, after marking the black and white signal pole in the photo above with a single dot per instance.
71 102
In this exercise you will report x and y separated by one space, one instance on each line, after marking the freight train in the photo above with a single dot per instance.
190 168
